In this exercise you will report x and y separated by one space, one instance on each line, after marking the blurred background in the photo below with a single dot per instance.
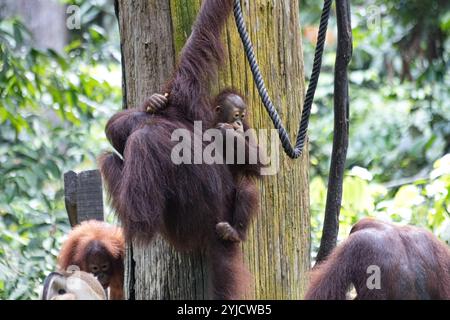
59 86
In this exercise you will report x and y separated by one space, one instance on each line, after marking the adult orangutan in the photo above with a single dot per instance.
412 262
185 202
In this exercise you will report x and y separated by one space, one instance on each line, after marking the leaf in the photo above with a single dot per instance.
408 196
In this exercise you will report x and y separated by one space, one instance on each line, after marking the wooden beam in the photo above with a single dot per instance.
83 196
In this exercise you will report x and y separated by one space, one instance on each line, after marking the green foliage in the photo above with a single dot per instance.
423 202
98 29
399 117
52 111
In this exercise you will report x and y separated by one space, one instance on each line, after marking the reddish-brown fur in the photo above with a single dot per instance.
244 175
414 264
97 234
182 202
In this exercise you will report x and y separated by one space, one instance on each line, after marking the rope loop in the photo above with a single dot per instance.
292 151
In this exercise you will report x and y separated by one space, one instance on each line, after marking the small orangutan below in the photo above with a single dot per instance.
97 248
413 264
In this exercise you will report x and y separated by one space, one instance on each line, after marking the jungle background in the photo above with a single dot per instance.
54 104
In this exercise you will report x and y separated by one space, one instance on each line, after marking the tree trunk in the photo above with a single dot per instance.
277 251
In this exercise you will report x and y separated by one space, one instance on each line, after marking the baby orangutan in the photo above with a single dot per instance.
230 114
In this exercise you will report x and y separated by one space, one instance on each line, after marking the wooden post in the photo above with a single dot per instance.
83 196
278 249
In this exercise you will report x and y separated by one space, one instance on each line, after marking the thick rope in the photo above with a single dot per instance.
296 151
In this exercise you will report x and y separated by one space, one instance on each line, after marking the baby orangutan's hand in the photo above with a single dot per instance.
156 103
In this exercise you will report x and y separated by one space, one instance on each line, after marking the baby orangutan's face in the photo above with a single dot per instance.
231 110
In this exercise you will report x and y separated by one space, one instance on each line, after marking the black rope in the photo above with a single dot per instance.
296 151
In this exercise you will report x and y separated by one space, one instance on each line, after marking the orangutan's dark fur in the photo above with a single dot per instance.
414 264
182 202
244 175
